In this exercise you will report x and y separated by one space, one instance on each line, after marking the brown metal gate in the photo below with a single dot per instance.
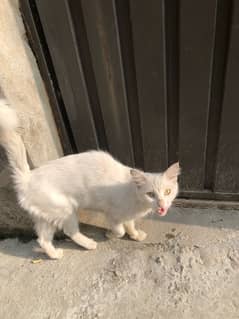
151 81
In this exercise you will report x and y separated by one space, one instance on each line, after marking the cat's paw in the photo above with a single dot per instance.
111 235
57 254
90 244
139 236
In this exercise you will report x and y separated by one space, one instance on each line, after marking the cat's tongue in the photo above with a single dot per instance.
162 211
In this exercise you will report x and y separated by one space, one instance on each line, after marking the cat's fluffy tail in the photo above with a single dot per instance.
14 147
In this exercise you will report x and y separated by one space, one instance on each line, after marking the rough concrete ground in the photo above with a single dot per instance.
187 268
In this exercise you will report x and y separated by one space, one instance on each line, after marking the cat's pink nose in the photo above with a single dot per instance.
162 203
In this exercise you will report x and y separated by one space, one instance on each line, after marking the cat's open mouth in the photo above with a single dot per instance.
162 211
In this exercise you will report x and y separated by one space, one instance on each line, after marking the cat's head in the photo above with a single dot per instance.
157 190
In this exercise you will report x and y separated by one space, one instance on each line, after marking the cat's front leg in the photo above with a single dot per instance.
136 234
116 231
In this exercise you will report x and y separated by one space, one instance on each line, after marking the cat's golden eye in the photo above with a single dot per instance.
167 191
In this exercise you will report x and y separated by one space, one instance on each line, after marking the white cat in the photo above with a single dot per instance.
93 180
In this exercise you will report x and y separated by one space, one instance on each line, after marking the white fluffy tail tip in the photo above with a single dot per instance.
8 117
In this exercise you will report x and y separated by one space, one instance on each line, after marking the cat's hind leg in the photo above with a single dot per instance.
71 229
45 232
133 233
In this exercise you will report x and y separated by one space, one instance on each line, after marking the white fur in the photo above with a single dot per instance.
92 180
14 147
8 117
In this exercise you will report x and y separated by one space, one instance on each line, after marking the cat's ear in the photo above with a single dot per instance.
173 171
138 177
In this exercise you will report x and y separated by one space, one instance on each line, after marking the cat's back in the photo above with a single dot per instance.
93 160
89 165
102 165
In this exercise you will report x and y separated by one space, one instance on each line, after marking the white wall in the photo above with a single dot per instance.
22 85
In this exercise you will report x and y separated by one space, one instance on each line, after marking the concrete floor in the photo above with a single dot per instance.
187 268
